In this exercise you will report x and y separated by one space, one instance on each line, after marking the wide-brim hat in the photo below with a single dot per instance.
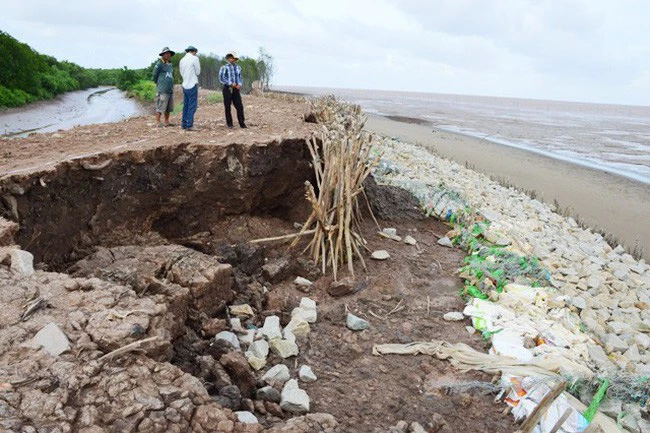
191 48
166 50
232 53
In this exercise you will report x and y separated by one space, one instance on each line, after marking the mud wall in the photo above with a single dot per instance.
174 190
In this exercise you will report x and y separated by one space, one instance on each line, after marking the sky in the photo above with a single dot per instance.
578 50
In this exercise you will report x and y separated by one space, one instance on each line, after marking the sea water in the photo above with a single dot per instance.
613 138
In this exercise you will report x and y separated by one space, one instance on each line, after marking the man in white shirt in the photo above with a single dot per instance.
190 68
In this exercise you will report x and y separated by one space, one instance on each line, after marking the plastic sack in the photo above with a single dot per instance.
524 394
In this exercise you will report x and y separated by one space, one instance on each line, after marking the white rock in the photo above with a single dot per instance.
579 302
271 328
307 303
470 330
259 348
22 262
642 340
306 374
255 362
243 310
247 337
289 336
303 282
229 337
594 281
417 428
300 313
277 373
284 348
390 231
293 399
246 417
632 354
52 339
235 325
380 255
356 323
445 242
618 327
297 327
613 343
409 240
454 316
599 357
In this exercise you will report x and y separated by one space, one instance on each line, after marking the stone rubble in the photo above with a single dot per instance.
243 310
356 323
278 373
445 242
303 282
271 328
22 262
454 316
380 255
246 417
390 233
228 337
51 339
293 399
284 348
306 374
410 240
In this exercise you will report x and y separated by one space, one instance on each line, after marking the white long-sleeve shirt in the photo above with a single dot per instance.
190 69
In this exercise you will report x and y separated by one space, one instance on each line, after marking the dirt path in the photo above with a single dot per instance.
268 119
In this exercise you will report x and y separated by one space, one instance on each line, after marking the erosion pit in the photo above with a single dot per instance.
175 191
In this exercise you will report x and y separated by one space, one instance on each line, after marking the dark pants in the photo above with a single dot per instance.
190 100
233 96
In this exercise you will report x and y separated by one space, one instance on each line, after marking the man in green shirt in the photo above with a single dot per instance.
163 76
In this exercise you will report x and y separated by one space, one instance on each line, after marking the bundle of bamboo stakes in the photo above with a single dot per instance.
342 162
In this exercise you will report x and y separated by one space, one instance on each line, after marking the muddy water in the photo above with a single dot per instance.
83 107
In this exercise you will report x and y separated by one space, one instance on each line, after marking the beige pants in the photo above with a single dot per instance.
165 102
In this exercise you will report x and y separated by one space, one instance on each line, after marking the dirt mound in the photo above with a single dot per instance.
390 202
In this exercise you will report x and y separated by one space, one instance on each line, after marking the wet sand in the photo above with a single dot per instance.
615 204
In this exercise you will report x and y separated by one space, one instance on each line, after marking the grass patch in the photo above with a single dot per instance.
178 108
215 98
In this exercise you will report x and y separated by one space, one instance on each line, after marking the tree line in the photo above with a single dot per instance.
29 76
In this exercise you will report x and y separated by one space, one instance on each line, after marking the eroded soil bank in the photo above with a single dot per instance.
148 246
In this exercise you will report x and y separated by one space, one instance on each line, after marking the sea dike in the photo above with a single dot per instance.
590 298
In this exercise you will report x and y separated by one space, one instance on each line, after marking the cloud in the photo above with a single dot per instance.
556 49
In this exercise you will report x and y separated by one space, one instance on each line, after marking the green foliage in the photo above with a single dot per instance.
28 76
265 68
145 90
127 78
252 70
13 98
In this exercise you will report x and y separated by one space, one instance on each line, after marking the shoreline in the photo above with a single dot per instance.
602 200
551 155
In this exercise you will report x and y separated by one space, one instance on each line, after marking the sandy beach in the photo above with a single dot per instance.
618 205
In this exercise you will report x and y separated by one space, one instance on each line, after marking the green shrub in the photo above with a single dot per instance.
13 98
215 98
145 90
